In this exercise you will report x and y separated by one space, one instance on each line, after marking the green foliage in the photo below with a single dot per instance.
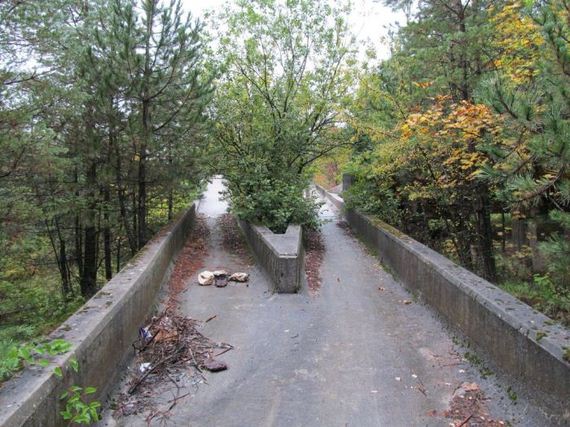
286 74
78 409
512 394
542 294
476 361
14 356
85 179
469 121
557 251
378 200
274 203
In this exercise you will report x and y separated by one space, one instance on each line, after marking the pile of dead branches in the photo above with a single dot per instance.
169 348
173 342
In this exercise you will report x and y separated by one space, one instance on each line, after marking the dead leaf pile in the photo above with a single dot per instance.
314 253
469 408
189 260
232 237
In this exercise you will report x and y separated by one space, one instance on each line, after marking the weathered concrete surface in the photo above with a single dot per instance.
281 255
354 355
521 341
101 333
335 199
347 180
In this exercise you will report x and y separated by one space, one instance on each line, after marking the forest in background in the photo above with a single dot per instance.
462 140
101 119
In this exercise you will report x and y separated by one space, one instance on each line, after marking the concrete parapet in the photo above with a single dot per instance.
524 343
281 255
335 199
101 334
347 181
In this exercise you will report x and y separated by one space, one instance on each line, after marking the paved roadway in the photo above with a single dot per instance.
353 355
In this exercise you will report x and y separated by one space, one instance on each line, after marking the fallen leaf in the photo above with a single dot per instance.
470 387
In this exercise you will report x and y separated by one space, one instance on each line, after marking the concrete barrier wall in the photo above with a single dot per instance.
101 334
281 255
522 342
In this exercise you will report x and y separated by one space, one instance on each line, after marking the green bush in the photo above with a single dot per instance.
273 202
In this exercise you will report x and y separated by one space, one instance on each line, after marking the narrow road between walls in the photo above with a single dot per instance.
359 352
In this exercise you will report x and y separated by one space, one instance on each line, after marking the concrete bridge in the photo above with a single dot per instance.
358 351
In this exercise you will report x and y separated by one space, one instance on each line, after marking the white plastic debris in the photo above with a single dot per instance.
239 277
206 278
143 367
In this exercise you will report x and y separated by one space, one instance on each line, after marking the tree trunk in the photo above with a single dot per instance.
107 237
64 265
142 233
485 233
170 204
519 232
88 282
60 254
118 254
122 197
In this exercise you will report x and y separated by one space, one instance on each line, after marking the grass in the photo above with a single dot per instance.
542 297
512 394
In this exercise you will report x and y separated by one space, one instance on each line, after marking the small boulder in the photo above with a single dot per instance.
239 277
206 278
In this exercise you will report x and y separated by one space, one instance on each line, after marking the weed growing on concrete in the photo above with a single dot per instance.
478 363
566 355
32 354
77 409
512 394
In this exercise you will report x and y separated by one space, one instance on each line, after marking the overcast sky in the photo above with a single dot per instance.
369 20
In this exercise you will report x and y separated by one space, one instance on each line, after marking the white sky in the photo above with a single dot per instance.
369 21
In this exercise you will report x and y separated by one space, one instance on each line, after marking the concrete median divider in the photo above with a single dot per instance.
281 255
101 334
522 342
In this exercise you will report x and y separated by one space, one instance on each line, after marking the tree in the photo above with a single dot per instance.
277 106
469 119
99 132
